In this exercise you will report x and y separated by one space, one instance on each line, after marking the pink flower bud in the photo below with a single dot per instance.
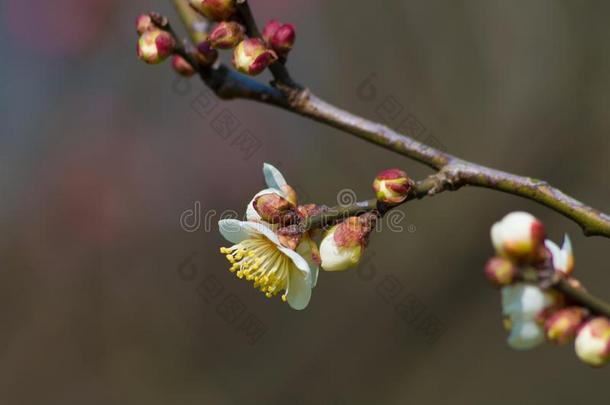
392 186
182 67
206 55
155 46
561 327
500 271
270 29
280 37
227 35
144 23
215 10
519 236
252 56
593 342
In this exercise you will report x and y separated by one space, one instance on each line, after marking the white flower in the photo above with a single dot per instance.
523 304
525 335
517 236
258 256
593 342
276 185
563 259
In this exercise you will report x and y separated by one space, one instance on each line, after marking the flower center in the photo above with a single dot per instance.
259 260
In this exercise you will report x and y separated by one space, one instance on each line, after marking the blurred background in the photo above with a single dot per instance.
106 299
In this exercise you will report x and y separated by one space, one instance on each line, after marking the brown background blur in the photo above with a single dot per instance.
106 300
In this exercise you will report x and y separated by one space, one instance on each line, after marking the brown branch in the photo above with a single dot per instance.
596 305
452 172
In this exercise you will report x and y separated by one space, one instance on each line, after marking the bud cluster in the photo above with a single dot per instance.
524 264
251 56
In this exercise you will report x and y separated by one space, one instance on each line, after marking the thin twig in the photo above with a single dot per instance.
596 305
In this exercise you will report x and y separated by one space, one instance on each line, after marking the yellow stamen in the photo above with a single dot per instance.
259 260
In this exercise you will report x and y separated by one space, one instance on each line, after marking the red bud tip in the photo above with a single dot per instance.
144 23
279 37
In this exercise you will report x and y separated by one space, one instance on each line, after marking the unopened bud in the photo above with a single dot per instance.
215 10
252 56
519 236
144 23
392 186
227 35
279 37
342 246
500 271
206 54
275 209
182 67
561 327
155 46
593 342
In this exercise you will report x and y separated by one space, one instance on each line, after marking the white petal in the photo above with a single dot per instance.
233 231
525 335
497 236
236 231
298 292
299 262
261 229
518 225
567 244
566 248
515 227
522 301
305 251
561 257
251 214
273 177
552 246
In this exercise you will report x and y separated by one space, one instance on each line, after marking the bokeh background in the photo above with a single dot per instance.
106 299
